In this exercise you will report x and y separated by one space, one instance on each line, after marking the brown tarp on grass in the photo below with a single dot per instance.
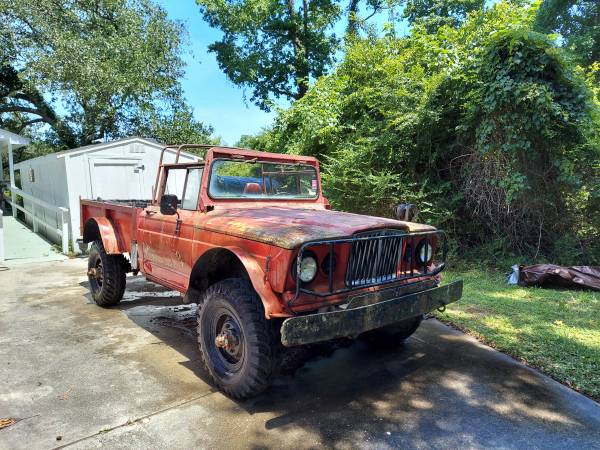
550 275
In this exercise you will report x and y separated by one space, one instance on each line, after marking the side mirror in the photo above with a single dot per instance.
406 212
168 204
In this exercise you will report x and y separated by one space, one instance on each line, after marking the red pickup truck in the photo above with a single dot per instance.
251 239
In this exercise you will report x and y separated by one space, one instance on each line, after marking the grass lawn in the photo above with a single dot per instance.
556 331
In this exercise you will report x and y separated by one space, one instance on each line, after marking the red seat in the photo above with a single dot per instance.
252 188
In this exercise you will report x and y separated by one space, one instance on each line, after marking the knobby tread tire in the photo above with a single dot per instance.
261 360
113 269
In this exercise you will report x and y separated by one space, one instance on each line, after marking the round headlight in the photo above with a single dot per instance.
424 252
308 269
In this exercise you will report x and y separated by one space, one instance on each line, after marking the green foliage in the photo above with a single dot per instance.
577 22
176 126
592 77
76 71
534 130
436 13
275 48
486 124
294 43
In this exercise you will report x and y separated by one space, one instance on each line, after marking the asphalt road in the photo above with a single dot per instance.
84 377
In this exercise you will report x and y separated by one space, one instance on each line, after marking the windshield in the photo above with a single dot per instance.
262 180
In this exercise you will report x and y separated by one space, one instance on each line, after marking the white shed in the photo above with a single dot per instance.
119 170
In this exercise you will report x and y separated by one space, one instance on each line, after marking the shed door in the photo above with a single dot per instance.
117 178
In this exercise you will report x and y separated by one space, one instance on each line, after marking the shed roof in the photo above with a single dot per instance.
101 145
95 147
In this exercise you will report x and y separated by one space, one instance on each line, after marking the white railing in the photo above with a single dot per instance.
1 233
36 203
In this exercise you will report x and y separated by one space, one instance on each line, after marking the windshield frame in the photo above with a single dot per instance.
314 199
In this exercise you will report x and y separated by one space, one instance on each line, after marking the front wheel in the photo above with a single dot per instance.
392 335
106 275
236 343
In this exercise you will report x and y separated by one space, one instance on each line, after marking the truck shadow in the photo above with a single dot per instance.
162 313
440 389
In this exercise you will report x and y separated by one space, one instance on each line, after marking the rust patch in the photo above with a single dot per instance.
289 227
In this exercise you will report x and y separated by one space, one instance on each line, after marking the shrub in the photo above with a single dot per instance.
487 126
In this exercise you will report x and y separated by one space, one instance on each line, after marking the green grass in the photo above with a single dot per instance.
556 331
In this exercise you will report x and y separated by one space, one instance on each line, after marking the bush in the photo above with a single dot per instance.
532 130
487 126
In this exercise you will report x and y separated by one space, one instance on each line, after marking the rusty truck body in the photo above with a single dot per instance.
250 237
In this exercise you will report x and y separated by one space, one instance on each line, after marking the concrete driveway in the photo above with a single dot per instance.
84 377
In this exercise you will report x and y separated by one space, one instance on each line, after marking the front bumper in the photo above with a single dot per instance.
353 321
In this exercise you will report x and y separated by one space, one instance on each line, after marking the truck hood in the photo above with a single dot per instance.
290 227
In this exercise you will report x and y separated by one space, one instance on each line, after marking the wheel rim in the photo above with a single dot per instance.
96 275
226 342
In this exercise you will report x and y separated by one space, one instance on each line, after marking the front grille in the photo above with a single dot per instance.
375 258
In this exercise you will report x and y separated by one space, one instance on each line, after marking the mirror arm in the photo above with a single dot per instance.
177 222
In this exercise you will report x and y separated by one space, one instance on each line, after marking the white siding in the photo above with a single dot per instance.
123 170
50 185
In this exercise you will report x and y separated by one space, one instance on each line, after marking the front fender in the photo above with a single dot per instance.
102 228
260 283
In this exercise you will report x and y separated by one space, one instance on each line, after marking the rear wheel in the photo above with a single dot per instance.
236 342
392 335
106 274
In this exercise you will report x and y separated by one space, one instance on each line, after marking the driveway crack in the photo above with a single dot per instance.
137 420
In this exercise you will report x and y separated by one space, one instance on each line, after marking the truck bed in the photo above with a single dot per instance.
122 215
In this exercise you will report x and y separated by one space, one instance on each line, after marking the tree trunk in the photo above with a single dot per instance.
304 64
301 67
352 29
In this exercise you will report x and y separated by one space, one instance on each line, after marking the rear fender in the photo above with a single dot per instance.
102 228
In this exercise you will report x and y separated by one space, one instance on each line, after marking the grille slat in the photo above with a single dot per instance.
391 257
375 258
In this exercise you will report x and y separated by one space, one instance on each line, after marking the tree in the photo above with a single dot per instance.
22 105
577 22
176 127
73 71
276 47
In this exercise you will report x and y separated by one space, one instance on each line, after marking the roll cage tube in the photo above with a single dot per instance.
156 188
353 239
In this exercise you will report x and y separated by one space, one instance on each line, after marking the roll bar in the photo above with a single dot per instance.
179 147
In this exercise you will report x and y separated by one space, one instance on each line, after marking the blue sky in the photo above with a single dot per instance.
216 101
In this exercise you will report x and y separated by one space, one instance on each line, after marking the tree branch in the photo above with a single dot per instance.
23 109
45 111
29 122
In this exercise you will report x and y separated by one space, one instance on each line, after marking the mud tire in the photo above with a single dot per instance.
249 370
109 290
391 336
